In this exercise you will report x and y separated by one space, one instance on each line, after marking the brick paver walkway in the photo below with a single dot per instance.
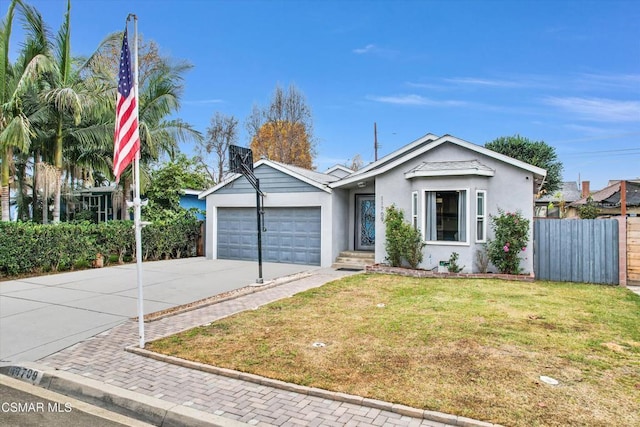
103 358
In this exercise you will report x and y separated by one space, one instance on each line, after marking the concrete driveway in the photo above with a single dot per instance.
42 315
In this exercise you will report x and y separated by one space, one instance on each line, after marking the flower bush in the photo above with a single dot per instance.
511 235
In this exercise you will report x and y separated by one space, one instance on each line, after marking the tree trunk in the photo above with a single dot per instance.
5 203
58 164
4 179
56 200
34 186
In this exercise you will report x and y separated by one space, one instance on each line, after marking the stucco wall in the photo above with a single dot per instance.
510 189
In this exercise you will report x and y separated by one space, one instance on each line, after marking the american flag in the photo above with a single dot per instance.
126 138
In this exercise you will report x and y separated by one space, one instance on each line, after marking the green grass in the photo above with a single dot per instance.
474 348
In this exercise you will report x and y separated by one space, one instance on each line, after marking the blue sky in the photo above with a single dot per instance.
565 72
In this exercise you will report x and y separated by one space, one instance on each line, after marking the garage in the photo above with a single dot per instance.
292 235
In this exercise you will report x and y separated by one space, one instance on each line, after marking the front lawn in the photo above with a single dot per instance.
475 348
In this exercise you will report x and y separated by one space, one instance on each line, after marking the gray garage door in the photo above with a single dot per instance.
292 236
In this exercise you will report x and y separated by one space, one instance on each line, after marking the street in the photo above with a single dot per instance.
26 405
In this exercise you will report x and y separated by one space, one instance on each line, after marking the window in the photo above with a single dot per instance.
481 217
414 209
446 216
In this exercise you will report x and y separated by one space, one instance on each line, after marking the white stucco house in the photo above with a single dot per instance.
447 188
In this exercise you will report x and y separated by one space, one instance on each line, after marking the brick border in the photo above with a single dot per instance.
385 269
316 392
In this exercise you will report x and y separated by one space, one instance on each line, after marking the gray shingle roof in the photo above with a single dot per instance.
321 178
568 192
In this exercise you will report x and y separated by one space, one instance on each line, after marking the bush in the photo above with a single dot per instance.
28 248
511 235
403 241
453 263
589 210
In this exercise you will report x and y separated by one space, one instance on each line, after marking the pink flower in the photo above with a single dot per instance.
524 249
506 248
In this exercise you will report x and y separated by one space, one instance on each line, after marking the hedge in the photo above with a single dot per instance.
29 248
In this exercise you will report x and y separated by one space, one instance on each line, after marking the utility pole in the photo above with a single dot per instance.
375 142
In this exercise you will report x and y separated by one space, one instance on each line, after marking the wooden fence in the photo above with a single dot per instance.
633 251
577 250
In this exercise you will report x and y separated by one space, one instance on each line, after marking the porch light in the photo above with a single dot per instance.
362 184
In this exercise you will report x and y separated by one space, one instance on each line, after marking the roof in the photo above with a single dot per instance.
316 179
568 192
423 145
466 167
610 195
339 168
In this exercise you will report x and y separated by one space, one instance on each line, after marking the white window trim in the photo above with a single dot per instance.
484 217
414 209
467 242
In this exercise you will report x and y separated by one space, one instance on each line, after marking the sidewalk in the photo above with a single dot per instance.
99 368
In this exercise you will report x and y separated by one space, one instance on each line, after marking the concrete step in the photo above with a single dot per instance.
357 254
354 260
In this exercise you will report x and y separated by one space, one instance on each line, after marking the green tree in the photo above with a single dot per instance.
17 80
537 153
168 182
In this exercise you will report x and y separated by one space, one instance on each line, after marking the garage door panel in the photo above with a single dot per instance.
292 236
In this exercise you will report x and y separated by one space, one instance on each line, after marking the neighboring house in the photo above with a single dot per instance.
608 200
557 204
106 202
447 187
189 199
99 200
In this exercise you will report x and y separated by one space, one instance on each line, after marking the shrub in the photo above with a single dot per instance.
28 248
453 263
403 241
511 235
589 210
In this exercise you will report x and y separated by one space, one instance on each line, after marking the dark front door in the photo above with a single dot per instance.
365 222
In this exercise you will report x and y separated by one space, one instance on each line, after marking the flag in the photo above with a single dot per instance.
126 138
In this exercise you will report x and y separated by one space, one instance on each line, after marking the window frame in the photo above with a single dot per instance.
467 241
482 217
414 209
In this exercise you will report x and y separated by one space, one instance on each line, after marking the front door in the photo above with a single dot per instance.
365 222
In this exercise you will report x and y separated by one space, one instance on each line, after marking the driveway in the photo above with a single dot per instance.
42 315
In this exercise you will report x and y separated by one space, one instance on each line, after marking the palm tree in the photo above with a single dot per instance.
16 80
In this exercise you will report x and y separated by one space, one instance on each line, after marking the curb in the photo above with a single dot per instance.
125 402
440 417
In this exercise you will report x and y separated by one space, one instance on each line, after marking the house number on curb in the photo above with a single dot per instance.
26 374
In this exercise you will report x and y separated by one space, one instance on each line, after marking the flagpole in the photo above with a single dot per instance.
136 192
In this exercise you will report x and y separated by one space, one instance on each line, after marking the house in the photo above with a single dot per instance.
609 199
558 203
447 187
189 200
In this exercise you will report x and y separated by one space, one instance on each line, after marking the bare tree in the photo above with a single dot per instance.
222 132
283 131
355 163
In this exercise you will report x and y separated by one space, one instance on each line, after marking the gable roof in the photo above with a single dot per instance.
340 169
610 195
568 192
313 178
455 168
423 145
